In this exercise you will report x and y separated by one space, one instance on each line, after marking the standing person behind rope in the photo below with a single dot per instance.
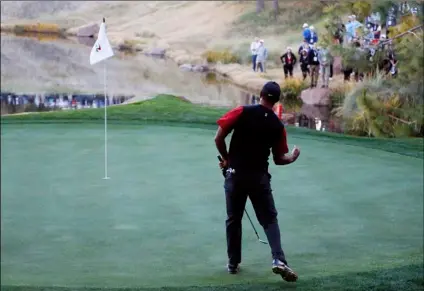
256 130
350 31
358 59
303 46
262 56
325 60
339 33
313 65
289 61
254 52
314 36
304 64
306 33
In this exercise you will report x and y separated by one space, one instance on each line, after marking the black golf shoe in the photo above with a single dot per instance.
233 269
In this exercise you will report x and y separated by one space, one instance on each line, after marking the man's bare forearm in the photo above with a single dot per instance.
221 146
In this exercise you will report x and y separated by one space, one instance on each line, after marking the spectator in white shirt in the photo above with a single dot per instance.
254 51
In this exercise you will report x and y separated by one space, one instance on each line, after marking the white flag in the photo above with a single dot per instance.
101 49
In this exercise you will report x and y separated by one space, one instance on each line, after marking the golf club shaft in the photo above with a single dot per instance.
251 223
248 216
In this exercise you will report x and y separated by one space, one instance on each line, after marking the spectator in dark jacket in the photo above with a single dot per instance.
339 33
304 64
313 65
303 46
289 61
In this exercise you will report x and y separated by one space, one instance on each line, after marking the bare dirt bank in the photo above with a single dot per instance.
185 29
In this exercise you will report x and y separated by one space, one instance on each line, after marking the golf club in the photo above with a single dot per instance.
248 216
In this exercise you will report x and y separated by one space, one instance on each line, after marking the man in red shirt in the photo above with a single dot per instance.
256 130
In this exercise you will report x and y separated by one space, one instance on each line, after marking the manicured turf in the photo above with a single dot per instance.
351 215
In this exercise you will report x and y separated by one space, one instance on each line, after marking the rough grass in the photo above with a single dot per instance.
171 110
278 33
291 14
132 45
48 28
225 57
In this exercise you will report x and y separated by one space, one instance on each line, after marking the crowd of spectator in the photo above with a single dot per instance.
13 103
366 39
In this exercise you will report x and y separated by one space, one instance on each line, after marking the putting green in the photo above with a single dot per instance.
159 220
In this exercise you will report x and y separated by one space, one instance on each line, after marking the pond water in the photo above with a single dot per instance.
42 73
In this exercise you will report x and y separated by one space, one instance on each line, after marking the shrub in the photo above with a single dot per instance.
374 109
291 89
39 27
130 45
338 94
380 118
145 34
225 57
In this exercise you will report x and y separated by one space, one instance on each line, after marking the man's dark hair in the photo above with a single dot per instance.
271 92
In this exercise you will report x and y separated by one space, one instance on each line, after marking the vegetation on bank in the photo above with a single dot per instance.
224 57
291 89
382 106
45 28
171 110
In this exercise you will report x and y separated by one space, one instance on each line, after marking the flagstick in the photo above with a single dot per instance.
105 87
100 52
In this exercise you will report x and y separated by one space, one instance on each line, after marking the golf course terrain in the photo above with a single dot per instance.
350 209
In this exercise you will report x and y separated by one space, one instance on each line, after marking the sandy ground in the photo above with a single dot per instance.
184 28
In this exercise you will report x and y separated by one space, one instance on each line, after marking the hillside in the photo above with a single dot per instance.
185 28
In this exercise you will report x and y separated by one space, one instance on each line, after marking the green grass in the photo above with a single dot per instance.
168 110
164 108
351 216
395 279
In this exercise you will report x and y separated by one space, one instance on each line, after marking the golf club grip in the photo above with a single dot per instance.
224 170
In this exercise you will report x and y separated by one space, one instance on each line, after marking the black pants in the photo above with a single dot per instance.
331 70
347 72
305 71
258 188
288 70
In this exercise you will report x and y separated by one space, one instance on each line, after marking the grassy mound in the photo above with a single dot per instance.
162 109
170 110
